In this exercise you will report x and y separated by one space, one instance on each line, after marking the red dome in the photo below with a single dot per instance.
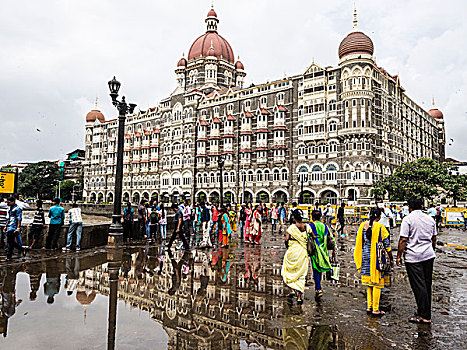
212 13
182 62
93 115
356 42
239 65
220 47
436 113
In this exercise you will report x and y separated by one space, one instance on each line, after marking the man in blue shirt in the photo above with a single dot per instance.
13 228
57 218
282 217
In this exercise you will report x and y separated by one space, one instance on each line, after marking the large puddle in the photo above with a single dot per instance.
143 297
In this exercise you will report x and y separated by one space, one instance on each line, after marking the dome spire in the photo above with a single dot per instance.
95 104
433 102
211 20
355 20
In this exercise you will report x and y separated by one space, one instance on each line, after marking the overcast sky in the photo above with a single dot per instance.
57 56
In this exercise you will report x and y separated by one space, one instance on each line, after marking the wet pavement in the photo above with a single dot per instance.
142 297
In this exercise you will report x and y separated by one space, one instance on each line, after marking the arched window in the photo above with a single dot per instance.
316 173
284 174
332 105
301 150
259 175
232 177
267 175
276 175
251 176
333 146
331 172
332 126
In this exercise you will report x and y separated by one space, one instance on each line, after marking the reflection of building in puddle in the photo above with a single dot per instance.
201 299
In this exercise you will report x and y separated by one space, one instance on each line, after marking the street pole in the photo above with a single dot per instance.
244 184
59 183
114 262
221 161
301 189
116 228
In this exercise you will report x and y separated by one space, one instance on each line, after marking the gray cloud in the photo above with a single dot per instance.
58 55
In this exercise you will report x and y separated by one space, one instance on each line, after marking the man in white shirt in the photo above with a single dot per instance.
386 215
329 214
76 225
417 243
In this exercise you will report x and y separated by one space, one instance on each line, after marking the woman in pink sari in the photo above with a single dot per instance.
256 223
248 213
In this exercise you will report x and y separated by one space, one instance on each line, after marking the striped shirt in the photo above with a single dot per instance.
39 218
3 214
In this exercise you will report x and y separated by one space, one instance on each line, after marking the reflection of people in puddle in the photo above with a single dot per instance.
34 270
72 274
52 280
321 338
8 293
204 276
252 264
221 263
177 270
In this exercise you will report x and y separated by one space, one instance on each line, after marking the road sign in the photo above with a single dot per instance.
7 183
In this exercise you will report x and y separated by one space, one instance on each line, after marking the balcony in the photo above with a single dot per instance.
313 136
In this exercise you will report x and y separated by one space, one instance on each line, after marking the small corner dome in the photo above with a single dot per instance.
239 65
436 113
93 115
181 62
356 42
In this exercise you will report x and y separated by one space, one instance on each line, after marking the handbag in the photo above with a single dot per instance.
333 274
330 244
310 245
383 261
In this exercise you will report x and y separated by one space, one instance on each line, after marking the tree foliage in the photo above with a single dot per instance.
38 180
425 178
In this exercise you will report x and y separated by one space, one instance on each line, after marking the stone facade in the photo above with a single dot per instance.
327 134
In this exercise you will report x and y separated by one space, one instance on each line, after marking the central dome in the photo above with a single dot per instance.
211 43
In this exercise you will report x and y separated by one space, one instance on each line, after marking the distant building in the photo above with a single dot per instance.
72 166
332 131
17 166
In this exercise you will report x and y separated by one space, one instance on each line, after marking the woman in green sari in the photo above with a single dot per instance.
295 265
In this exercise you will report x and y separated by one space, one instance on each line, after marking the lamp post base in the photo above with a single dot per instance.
115 231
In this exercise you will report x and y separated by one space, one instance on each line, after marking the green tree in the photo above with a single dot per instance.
425 178
66 189
38 180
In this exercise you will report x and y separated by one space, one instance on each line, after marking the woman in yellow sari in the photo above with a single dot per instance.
365 258
295 265
233 217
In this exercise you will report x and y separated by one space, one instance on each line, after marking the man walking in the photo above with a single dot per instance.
128 219
76 225
282 216
205 221
13 228
38 224
417 243
242 219
329 214
386 216
142 217
341 219
57 218
178 221
3 220
187 220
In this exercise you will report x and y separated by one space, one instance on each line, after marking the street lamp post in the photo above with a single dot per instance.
73 194
243 174
116 229
220 163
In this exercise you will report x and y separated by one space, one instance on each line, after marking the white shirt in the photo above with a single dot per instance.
329 211
75 215
385 215
419 228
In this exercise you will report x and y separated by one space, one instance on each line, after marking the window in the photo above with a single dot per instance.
263 100
251 176
354 103
316 173
259 176
276 175
331 172
266 175
332 105
332 126
284 175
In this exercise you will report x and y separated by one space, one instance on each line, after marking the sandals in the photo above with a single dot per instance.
318 294
419 320
379 313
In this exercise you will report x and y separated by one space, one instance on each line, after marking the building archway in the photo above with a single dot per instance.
308 197
93 197
328 196
248 197
262 197
146 195
352 195
110 197
202 197
100 197
155 196
126 197
214 197
175 197
136 197
279 196
165 197
229 197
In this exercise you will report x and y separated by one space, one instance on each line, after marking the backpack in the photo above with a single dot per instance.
242 215
128 215
154 217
